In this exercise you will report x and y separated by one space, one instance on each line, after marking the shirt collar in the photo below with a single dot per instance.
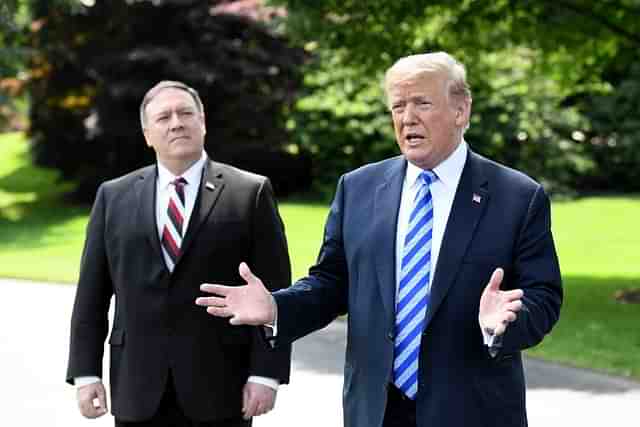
192 175
448 171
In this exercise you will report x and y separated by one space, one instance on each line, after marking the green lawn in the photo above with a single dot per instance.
598 243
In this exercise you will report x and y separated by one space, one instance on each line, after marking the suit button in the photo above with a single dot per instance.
390 336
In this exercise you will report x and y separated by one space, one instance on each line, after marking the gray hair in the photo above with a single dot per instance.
165 84
430 63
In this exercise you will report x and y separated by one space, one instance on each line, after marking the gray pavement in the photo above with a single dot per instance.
34 330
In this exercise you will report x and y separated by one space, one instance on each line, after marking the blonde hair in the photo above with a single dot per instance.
434 63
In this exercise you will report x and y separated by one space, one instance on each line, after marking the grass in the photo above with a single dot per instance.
598 243
597 240
41 237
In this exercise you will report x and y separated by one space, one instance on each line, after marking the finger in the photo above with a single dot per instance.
251 407
85 401
513 294
245 398
216 289
102 401
219 311
268 404
246 274
236 321
88 410
496 279
514 306
500 329
510 316
212 301
258 408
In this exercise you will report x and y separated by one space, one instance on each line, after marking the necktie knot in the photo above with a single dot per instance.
179 182
428 177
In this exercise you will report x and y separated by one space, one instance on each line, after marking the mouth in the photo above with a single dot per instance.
413 138
178 139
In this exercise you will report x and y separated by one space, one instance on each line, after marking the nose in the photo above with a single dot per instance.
409 114
175 122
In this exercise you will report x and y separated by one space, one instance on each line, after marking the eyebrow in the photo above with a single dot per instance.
180 109
414 98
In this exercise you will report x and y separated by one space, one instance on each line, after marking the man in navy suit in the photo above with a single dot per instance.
436 322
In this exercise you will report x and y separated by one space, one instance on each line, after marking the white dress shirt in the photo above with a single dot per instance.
193 176
443 191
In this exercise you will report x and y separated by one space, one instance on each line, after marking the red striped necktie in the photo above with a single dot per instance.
173 229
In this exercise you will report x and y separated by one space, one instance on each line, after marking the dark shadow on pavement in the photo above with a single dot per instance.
323 352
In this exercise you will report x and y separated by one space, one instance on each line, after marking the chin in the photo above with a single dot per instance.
417 159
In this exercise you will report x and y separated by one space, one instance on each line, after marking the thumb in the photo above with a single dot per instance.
102 399
246 274
496 280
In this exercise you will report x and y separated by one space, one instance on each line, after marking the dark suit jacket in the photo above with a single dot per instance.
460 385
157 327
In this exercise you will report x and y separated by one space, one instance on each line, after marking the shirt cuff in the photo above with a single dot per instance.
271 329
269 382
82 381
492 341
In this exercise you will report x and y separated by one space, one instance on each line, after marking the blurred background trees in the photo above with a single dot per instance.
90 67
555 83
293 88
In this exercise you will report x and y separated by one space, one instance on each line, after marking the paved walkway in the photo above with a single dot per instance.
34 330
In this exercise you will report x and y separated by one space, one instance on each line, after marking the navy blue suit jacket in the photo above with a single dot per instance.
460 384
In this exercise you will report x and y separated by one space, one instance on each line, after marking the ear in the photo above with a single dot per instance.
204 125
463 112
146 139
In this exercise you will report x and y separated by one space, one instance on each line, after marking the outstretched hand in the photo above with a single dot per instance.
250 304
498 308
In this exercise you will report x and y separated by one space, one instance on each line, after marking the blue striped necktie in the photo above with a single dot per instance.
413 297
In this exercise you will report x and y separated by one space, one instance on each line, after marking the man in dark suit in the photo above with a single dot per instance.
153 237
443 260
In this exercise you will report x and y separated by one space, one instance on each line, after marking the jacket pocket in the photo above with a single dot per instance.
117 337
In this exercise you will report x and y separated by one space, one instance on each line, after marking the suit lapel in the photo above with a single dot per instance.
211 185
386 207
146 190
469 204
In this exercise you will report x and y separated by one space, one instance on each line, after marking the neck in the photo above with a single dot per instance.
178 167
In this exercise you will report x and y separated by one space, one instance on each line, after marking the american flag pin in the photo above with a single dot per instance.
210 186
476 198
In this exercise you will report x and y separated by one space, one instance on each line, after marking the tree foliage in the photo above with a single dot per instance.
92 66
553 82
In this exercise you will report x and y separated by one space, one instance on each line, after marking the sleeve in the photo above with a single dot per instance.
89 320
269 260
537 273
314 301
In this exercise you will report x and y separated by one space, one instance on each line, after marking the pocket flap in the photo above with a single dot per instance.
117 337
